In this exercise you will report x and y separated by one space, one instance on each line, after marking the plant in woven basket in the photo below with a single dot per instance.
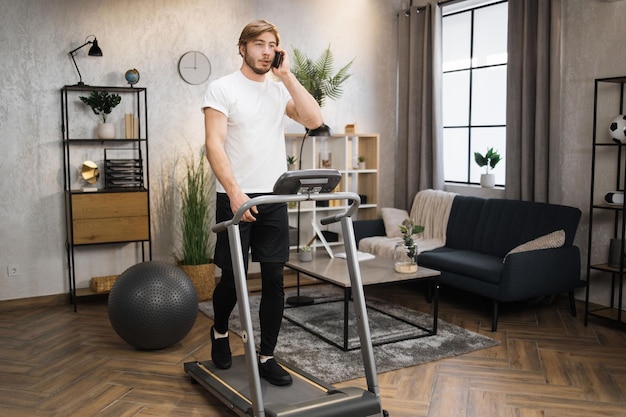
196 213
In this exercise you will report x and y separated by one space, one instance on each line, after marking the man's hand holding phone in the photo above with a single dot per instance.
280 64
278 59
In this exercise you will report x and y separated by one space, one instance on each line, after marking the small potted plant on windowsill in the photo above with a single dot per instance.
488 160
102 103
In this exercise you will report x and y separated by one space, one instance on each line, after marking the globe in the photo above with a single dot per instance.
132 76
617 128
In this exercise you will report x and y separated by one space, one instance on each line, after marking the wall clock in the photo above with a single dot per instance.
194 67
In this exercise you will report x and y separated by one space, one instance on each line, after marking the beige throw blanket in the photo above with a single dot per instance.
431 209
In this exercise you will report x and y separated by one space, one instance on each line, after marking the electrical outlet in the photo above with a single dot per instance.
13 271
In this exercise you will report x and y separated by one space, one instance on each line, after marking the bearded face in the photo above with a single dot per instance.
259 53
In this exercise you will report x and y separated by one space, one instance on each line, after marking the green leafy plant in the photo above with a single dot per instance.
408 230
291 160
102 103
196 214
305 248
361 159
489 160
317 76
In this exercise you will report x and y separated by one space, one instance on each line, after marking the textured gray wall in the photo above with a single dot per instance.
151 35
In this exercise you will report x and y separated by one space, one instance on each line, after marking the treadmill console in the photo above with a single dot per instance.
307 181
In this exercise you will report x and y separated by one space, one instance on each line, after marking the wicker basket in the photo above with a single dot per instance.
203 278
103 284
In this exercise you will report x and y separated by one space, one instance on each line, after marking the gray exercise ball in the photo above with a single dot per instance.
153 305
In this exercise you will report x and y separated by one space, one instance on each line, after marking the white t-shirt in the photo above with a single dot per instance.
255 136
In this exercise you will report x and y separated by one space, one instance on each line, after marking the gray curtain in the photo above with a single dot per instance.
419 142
533 103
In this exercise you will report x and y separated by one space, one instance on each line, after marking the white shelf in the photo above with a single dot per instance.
344 152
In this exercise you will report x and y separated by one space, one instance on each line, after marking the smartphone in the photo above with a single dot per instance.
278 59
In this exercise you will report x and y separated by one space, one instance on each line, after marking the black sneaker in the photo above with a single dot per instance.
220 351
274 373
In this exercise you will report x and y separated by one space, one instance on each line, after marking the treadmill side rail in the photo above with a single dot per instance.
348 402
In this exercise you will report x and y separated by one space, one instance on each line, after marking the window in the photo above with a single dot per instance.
474 55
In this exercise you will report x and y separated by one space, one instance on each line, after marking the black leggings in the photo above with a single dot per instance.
270 310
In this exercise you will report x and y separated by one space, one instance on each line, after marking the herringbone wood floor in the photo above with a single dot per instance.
54 362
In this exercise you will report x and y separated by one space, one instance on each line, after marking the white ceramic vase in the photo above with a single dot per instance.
487 180
106 131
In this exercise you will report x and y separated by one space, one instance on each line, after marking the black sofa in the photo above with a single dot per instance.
479 235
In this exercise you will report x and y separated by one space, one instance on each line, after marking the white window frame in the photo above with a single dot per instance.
463 156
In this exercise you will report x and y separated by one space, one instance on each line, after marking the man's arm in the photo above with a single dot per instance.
215 124
302 107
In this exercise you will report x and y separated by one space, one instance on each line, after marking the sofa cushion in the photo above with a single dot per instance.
471 264
551 240
392 218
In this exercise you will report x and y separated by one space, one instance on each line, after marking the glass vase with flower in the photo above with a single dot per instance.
405 252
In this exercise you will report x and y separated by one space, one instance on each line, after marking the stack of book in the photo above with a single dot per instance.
132 126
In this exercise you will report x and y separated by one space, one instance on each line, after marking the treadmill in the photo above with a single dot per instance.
240 387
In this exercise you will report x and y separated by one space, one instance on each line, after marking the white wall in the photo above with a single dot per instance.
151 35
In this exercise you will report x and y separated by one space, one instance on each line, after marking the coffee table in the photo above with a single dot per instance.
375 271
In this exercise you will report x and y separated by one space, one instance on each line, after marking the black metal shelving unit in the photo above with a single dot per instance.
617 214
124 210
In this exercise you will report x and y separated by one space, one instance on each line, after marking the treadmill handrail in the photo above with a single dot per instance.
272 199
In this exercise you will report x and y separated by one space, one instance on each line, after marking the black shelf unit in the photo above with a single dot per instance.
124 211
617 214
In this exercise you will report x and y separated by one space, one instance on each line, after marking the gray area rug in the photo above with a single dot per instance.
308 352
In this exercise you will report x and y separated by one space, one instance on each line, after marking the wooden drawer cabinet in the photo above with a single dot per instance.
109 217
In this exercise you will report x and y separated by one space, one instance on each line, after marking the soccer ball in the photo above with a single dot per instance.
617 128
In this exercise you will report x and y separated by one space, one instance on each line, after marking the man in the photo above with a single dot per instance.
244 117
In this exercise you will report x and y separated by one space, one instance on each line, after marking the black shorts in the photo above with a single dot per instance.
267 238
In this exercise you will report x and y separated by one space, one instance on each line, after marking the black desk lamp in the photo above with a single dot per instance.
303 300
93 51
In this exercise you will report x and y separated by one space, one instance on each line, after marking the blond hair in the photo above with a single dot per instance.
256 28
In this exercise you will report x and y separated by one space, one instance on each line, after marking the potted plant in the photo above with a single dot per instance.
102 103
197 213
405 252
305 254
489 160
317 76
361 162
291 162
